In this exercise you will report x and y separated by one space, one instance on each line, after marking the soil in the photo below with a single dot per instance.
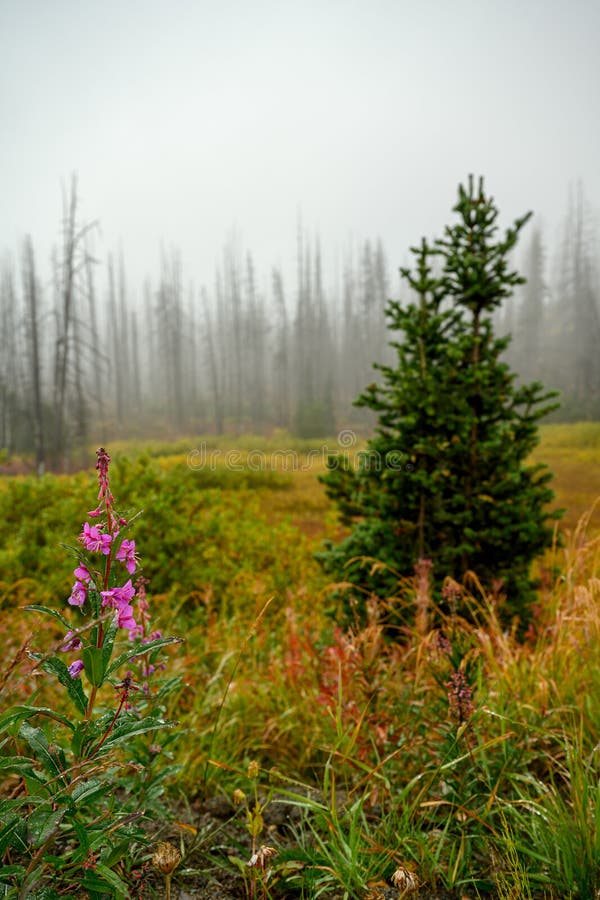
207 872
205 875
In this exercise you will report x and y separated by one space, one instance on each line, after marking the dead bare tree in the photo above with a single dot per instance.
213 367
98 356
30 291
66 269
281 361
8 368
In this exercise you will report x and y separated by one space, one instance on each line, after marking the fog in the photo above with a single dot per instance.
257 175
187 120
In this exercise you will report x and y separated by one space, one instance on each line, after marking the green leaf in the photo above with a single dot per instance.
119 850
20 713
56 666
103 878
43 822
82 836
93 661
80 736
52 759
36 607
86 791
129 727
109 640
140 650
46 893
96 603
12 833
19 765
10 871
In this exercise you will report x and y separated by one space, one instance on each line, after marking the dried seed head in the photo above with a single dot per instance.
451 592
238 797
442 644
260 859
103 461
405 880
460 697
166 858
253 769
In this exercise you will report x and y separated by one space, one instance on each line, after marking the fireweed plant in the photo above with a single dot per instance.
83 786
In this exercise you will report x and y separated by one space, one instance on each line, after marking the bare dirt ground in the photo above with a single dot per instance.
204 874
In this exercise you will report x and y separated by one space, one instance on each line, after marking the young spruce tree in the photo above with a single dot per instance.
446 477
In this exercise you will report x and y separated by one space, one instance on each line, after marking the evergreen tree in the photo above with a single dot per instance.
446 476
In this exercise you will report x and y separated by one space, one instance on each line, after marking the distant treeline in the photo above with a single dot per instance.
554 318
79 360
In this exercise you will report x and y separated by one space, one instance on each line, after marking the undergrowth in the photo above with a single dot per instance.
456 756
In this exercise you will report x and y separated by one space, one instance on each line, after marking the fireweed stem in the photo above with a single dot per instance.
100 637
122 700
90 706
34 861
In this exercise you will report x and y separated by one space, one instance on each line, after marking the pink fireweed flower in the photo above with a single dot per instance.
71 642
93 539
78 594
118 596
76 668
108 598
82 573
94 513
126 619
127 555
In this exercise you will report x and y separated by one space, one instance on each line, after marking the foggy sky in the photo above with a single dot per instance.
187 120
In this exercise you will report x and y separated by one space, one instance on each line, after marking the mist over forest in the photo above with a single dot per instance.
87 356
249 183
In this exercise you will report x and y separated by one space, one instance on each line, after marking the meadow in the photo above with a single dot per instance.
306 761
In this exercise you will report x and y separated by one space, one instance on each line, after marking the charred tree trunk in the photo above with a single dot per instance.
65 278
31 299
213 368
99 359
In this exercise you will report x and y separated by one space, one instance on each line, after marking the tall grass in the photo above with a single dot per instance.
502 798
457 753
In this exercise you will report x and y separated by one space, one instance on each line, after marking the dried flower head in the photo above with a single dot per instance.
460 697
451 592
422 600
262 856
442 644
423 568
238 797
253 769
102 464
405 880
166 858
